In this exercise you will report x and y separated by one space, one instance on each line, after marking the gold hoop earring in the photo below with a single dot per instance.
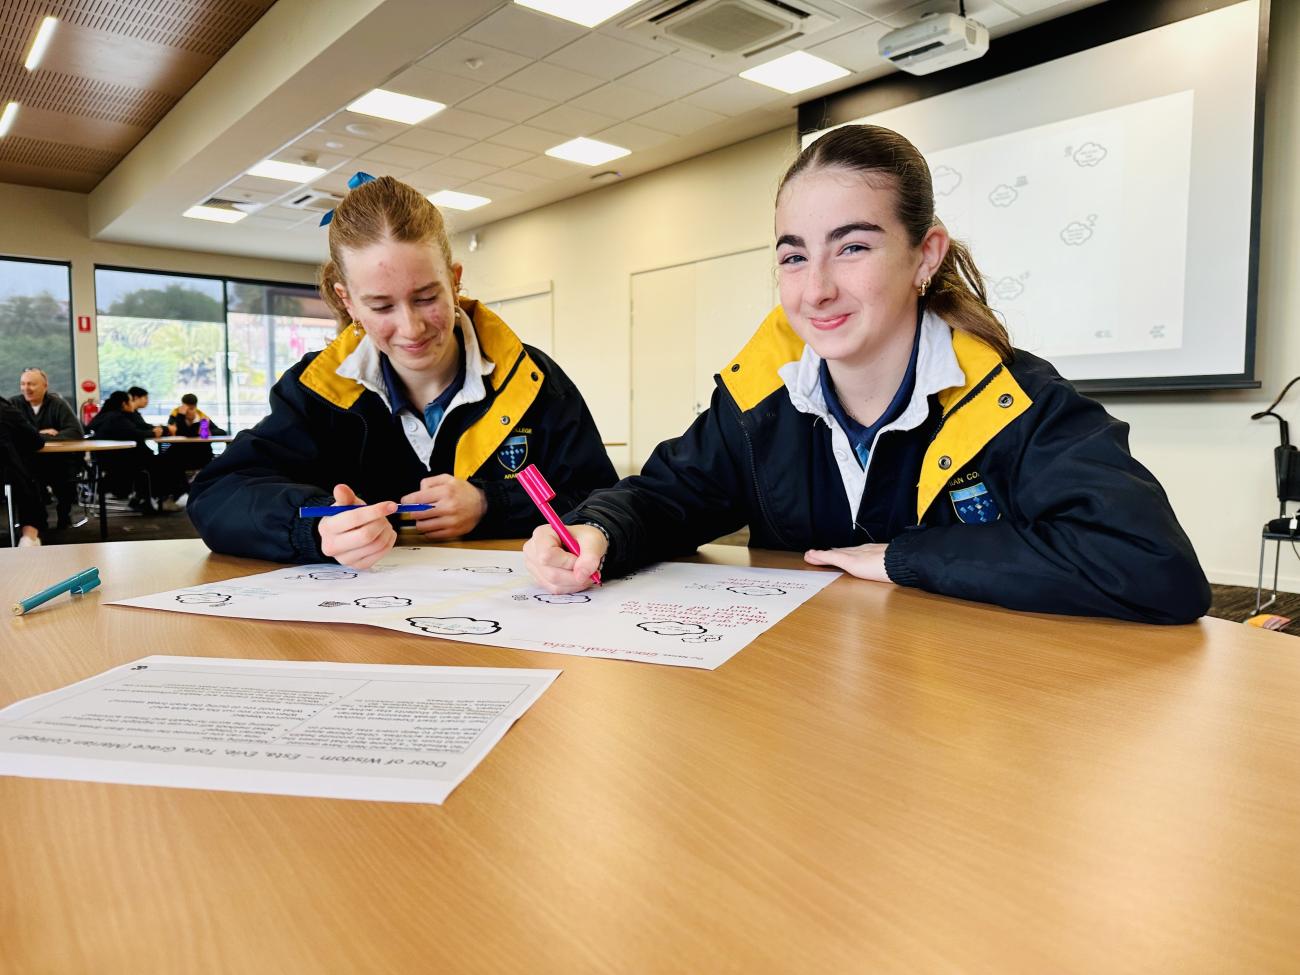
358 328
922 288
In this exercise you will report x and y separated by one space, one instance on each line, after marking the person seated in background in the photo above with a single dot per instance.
51 416
137 399
187 420
137 472
425 397
19 443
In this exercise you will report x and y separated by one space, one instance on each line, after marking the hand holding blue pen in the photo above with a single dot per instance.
77 585
359 537
325 511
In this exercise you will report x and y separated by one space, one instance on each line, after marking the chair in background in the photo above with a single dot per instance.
1283 528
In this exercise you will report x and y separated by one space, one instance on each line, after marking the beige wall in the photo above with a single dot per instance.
1214 462
51 224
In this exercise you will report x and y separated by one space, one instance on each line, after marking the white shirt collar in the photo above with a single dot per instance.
936 370
363 366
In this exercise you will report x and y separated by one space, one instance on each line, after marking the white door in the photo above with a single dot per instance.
688 321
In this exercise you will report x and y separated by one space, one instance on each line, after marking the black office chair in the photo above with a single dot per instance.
1283 528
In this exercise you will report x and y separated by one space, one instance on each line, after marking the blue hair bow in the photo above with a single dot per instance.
358 179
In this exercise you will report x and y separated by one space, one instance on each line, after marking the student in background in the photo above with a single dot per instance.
187 420
53 419
139 472
19 443
880 421
425 397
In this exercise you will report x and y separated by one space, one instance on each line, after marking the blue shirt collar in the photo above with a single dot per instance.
860 437
398 400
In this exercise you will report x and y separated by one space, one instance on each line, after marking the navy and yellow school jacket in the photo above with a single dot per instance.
1017 491
326 429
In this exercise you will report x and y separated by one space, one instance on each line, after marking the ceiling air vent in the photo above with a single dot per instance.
317 200
235 206
727 28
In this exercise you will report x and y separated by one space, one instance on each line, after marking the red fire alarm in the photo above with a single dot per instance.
88 385
83 323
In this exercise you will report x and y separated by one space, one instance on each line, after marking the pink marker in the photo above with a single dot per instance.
541 493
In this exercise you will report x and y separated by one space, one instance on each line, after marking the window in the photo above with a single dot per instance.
165 333
36 324
227 342
269 328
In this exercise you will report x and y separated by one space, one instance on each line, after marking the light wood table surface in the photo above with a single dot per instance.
215 438
84 446
887 781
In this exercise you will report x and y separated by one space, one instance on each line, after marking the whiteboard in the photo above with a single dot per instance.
1107 195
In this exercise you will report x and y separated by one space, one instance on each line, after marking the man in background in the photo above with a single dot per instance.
54 419
187 420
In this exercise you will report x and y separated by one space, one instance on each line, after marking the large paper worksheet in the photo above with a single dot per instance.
672 613
341 731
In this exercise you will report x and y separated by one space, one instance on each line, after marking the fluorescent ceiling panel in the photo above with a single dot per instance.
7 118
457 201
289 172
396 107
795 72
589 152
588 13
216 214
40 42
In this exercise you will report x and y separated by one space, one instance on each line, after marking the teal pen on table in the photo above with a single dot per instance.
77 585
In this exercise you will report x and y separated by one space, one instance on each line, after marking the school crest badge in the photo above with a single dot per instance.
974 505
514 452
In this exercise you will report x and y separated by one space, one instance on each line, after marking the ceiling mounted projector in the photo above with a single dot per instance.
934 42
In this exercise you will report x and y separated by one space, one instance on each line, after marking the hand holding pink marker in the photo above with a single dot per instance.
541 493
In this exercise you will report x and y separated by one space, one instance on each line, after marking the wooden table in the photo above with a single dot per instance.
91 447
887 781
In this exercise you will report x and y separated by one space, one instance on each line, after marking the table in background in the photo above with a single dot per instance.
886 781
216 438
91 447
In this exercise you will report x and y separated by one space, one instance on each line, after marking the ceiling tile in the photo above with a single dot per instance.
336 182
606 57
989 13
572 121
455 57
499 156
550 168
679 118
362 126
550 81
491 191
436 85
732 97
510 105
513 28
428 182
673 77
395 155
855 50
245 196
459 168
471 125
515 180
528 138
629 135
345 145
619 101
426 140
259 184
380 167
1032 6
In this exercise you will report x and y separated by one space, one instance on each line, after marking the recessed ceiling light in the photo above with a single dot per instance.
395 106
7 118
457 201
217 214
589 152
795 72
289 172
40 42
588 13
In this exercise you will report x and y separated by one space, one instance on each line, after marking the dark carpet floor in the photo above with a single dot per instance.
1236 603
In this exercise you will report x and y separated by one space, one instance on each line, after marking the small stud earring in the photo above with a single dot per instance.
922 288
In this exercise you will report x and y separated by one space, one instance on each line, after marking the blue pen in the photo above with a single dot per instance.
78 585
338 509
